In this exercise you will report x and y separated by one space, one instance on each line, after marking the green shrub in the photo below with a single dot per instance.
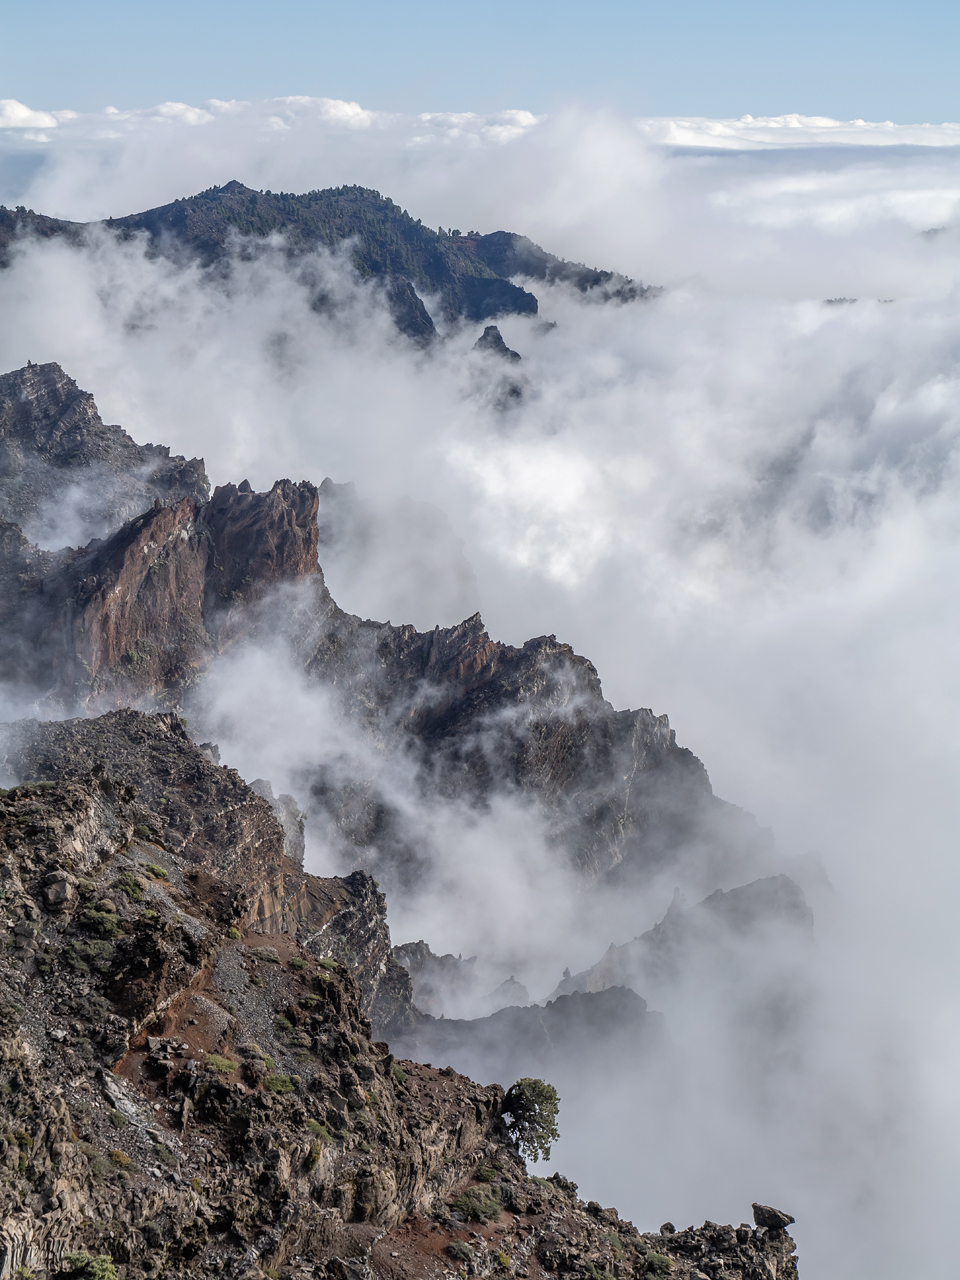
90 1268
84 956
103 923
298 963
659 1264
149 916
234 934
120 1159
283 1026
532 1106
128 883
158 873
486 1174
398 1074
503 1260
278 1084
256 980
319 1130
118 1120
311 1002
166 1156
220 1064
478 1202
325 962
460 1250
313 1156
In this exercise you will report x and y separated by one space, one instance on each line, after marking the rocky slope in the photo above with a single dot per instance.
470 275
139 616
63 471
188 1081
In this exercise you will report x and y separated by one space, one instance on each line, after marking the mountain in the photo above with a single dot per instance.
140 615
189 1084
470 275
64 472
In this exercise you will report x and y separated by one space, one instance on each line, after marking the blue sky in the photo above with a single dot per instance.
880 60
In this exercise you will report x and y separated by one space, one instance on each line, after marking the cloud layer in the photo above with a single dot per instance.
740 500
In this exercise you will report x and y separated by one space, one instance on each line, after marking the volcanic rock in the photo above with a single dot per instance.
63 471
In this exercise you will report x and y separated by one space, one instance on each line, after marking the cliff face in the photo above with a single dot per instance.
141 612
186 1089
139 615
62 468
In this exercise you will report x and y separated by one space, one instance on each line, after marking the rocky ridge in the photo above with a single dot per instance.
136 618
190 1084
471 276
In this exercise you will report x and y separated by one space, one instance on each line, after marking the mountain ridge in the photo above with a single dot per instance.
470 275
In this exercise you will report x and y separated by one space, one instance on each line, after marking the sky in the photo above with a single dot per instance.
882 60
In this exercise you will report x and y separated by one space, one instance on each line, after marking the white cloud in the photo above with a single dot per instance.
740 502
14 115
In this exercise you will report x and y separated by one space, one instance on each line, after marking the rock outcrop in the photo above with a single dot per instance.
135 618
64 471
188 1089
140 613
710 934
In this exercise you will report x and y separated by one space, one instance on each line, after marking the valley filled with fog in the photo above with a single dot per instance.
739 498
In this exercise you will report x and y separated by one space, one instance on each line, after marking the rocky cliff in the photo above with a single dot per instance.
188 1082
140 614
63 471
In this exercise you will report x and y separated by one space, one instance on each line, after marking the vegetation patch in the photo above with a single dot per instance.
81 957
313 1156
278 1084
118 1120
158 873
486 1174
120 1159
477 1203
234 934
460 1250
325 962
532 1107
398 1074
128 883
88 1267
659 1264
103 923
298 963
223 1066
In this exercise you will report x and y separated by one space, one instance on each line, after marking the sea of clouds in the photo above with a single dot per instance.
739 499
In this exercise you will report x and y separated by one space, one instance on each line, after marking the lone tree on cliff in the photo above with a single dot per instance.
532 1106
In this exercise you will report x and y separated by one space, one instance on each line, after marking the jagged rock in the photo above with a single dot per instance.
142 611
185 1094
772 1219
439 983
288 815
139 615
515 1041
62 470
658 956
491 341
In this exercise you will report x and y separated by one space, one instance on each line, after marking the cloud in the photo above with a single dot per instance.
14 115
739 501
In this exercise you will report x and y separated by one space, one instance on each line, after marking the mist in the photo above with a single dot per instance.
738 499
